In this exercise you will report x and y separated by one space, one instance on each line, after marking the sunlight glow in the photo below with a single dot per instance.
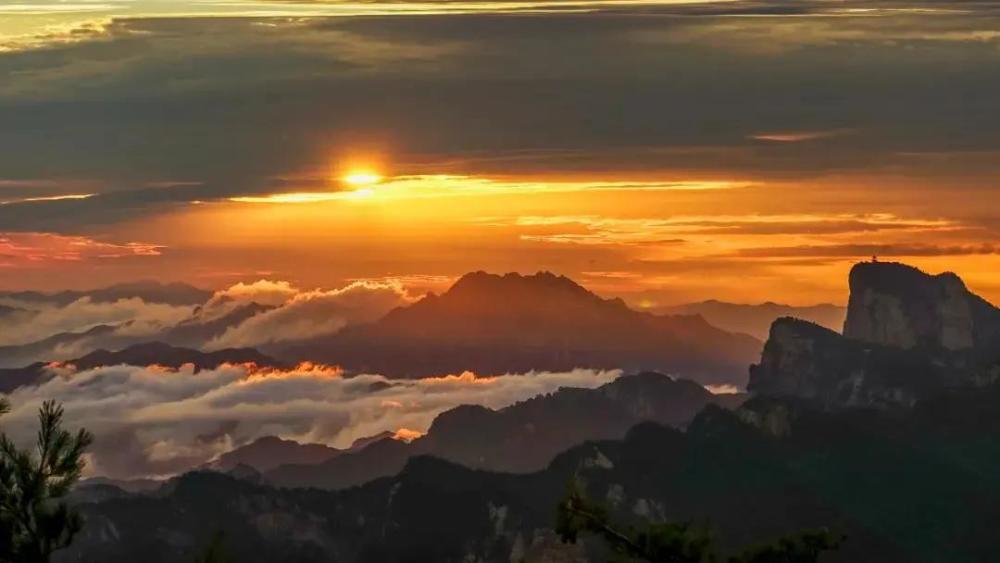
362 178
442 185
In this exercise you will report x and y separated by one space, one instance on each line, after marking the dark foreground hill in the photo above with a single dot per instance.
494 324
914 486
522 437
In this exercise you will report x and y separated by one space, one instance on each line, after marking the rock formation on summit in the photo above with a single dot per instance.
898 305
908 335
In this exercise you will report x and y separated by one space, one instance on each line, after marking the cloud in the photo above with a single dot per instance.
866 250
309 314
680 229
23 249
152 421
38 320
800 136
262 292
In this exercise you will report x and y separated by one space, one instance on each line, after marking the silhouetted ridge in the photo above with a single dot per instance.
496 324
916 485
146 354
158 353
522 437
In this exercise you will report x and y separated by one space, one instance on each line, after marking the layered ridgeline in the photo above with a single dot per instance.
908 334
519 438
921 486
756 319
493 324
487 324
147 354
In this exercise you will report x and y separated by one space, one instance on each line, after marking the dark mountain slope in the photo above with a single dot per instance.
522 437
911 486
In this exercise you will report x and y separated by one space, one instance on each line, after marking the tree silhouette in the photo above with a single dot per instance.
215 552
34 520
678 542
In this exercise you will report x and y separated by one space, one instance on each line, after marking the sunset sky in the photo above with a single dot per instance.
739 150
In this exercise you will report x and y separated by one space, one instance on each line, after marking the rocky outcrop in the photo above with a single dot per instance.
808 361
898 305
908 335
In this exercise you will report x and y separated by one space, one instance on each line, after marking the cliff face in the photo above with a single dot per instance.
908 335
898 305
808 361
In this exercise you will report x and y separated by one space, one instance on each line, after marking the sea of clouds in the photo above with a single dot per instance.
151 421
286 314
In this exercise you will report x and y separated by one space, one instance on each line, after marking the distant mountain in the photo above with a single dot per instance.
191 333
908 335
916 487
145 354
149 291
494 324
522 437
756 320
52 348
269 452
6 310
197 331
158 353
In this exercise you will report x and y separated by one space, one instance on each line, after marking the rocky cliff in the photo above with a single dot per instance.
908 335
805 360
898 305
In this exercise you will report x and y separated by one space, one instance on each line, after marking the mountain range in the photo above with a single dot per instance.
918 487
519 438
756 320
488 324
885 432
150 353
492 324
148 290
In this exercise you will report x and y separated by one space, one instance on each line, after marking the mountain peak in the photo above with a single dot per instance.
490 285
899 305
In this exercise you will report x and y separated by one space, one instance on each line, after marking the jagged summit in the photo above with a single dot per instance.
908 335
899 305
542 289
496 324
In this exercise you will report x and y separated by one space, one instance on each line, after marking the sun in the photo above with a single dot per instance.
361 178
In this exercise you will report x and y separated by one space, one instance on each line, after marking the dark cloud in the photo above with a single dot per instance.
864 250
229 105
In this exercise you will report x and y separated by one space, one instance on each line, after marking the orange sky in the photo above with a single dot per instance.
655 242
